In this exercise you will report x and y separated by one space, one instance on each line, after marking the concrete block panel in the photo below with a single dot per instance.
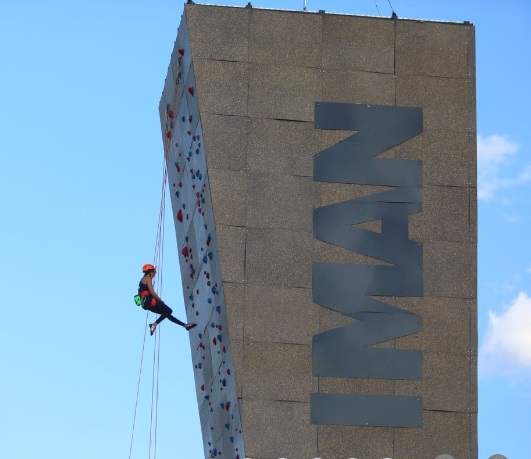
471 103
279 258
226 140
473 407
444 217
472 158
290 39
445 384
329 319
278 371
447 157
355 442
471 52
366 45
473 214
356 386
227 32
330 138
449 269
232 242
280 201
473 326
222 86
265 423
473 436
236 346
447 322
432 49
235 303
228 191
444 101
280 314
324 252
349 86
282 147
442 433
283 92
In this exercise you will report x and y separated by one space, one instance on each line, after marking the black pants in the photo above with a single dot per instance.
160 308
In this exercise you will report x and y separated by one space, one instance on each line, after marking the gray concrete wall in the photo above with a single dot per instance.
256 75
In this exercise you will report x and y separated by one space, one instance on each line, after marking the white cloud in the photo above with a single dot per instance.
507 345
495 152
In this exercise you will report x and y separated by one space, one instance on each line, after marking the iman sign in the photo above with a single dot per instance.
350 289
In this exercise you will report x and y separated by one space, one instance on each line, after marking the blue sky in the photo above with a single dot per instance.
80 183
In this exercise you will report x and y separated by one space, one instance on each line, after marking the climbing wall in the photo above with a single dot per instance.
199 256
253 109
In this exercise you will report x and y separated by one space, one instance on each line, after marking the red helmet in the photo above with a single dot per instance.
147 268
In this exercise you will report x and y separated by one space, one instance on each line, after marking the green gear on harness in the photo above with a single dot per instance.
138 301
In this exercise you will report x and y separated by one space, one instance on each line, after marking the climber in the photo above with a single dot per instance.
152 302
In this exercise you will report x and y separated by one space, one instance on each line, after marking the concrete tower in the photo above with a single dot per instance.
322 170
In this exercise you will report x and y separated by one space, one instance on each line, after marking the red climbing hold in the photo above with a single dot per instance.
170 114
180 215
184 251
191 91
227 406
181 51
168 134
